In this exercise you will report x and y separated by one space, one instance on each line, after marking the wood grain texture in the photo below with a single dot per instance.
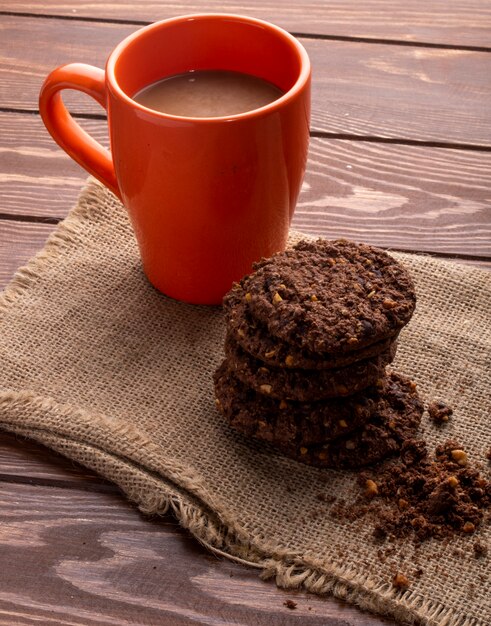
19 241
398 196
36 176
22 460
358 88
439 21
406 197
85 558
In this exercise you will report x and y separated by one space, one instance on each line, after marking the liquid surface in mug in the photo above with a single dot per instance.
208 93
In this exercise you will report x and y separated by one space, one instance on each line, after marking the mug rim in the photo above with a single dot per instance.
296 88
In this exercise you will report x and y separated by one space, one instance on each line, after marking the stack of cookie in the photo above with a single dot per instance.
309 335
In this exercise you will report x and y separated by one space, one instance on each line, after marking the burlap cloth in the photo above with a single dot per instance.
100 367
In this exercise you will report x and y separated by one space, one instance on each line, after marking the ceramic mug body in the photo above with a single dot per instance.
206 196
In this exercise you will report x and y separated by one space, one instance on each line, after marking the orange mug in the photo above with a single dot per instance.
206 196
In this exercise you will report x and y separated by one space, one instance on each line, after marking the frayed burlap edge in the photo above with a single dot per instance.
211 527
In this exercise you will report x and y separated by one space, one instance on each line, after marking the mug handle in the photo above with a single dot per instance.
83 149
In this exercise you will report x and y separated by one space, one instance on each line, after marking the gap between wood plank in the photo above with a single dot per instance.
369 40
33 219
400 141
315 134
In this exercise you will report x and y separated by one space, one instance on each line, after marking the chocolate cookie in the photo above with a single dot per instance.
292 423
305 385
328 296
255 339
395 420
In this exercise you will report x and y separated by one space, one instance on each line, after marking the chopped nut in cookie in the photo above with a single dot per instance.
371 489
459 456
400 581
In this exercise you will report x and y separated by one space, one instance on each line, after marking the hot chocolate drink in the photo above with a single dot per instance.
208 93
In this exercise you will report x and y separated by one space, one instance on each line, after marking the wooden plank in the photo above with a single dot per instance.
402 197
23 460
19 241
36 176
84 558
439 21
358 88
408 197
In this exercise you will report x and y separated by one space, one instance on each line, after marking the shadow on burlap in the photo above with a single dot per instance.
99 366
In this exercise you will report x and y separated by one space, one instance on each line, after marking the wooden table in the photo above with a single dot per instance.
400 157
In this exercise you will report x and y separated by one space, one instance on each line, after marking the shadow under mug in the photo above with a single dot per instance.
206 196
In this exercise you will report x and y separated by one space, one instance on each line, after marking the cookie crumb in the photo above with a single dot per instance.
380 532
439 412
428 497
290 604
480 550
